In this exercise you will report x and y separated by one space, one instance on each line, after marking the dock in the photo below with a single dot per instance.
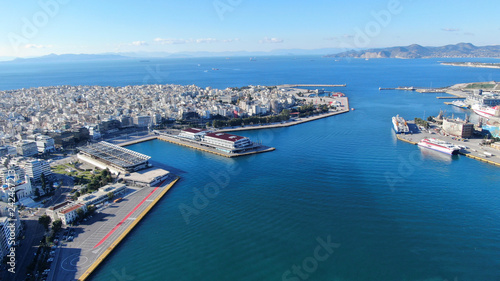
398 88
96 238
311 85
129 228
474 150
198 146
451 97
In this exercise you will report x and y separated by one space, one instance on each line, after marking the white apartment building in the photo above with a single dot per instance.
67 211
34 168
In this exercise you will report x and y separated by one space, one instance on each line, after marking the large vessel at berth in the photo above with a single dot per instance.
459 103
400 125
439 145
485 111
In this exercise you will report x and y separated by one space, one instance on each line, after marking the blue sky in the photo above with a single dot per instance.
31 28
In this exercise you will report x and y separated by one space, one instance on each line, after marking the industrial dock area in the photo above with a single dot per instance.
476 148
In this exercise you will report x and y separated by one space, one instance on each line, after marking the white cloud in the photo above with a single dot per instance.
35 46
139 43
173 41
206 40
450 29
271 40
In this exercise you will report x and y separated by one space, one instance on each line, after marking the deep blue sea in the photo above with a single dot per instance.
339 199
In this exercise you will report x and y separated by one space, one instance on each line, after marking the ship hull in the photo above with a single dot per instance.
437 147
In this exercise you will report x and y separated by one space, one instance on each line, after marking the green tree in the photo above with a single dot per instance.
80 214
45 221
110 195
44 182
56 226
91 209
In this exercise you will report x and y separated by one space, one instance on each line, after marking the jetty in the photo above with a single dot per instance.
398 88
311 85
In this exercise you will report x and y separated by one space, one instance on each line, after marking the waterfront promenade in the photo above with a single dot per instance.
285 124
260 149
96 238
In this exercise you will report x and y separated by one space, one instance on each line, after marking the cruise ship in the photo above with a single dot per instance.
439 145
400 125
485 111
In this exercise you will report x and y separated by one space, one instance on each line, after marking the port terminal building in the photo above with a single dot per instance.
132 167
117 159
228 143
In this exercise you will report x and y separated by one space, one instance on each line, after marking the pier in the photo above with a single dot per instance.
398 88
203 147
475 150
156 195
450 97
96 238
311 85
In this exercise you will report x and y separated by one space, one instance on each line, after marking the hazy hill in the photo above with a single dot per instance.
461 50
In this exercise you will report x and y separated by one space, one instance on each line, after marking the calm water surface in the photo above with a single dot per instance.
395 212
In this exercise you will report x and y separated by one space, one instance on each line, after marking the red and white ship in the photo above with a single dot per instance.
485 111
439 145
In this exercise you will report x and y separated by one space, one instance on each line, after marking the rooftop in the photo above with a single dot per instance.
72 208
194 130
224 136
115 154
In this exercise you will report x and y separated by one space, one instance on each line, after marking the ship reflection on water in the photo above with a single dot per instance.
437 156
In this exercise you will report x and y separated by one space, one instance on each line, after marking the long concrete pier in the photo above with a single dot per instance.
311 85
197 146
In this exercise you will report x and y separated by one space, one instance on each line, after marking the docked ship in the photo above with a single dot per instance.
400 125
485 111
460 104
439 145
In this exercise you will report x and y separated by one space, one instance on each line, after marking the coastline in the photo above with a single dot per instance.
125 232
287 124
476 64
254 151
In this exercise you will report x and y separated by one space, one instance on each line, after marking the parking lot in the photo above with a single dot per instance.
92 237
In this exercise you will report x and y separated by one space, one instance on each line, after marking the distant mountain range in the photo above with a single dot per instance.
461 50
71 57
147 55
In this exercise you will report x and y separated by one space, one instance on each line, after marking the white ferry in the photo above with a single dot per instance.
400 125
485 111
439 145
